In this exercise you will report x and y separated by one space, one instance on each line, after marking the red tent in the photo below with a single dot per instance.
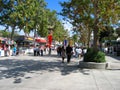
40 40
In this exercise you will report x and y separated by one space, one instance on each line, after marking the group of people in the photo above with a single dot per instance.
38 50
69 51
66 52
8 48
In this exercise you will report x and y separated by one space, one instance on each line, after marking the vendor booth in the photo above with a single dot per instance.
41 40
25 44
6 43
1 47
24 41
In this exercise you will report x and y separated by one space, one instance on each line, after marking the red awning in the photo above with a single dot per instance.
40 40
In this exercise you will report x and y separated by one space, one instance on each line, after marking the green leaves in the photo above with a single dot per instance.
23 14
91 15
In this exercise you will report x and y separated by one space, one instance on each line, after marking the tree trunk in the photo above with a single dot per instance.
12 33
88 43
96 29
95 32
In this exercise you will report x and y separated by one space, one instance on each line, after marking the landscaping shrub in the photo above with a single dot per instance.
94 56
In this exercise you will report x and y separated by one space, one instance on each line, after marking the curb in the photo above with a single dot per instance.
92 65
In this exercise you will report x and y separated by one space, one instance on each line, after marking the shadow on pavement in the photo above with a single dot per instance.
115 57
11 68
113 69
44 55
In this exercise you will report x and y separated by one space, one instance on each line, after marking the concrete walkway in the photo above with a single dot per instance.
48 73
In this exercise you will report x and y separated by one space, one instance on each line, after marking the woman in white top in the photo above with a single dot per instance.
79 52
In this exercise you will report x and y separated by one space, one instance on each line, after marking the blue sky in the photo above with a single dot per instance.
54 5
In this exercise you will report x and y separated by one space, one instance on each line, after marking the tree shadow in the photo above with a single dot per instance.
44 55
12 68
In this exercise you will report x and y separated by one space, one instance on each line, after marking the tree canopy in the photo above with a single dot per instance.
28 15
91 15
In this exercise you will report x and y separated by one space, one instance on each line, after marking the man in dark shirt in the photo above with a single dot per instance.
69 53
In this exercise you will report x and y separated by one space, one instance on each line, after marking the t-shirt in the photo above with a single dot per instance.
79 50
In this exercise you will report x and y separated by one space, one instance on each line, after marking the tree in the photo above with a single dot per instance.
21 14
59 32
5 11
80 21
75 38
27 15
30 14
118 31
6 34
48 20
107 33
96 14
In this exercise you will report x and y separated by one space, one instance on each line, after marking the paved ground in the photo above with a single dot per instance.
48 73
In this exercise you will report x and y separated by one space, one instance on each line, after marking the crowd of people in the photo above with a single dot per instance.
9 50
40 50
69 51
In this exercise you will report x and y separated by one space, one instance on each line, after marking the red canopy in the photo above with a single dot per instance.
40 40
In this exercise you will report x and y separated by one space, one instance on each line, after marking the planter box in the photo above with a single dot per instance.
92 65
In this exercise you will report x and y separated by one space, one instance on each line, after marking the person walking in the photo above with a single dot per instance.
63 54
69 53
79 52
14 50
37 50
41 50
5 48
